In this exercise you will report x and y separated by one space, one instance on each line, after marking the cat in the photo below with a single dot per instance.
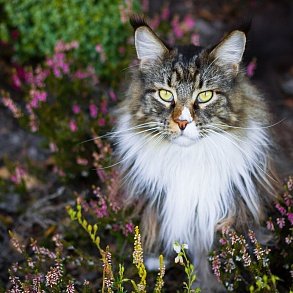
192 143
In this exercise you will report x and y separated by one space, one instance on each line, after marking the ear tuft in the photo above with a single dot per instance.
231 49
147 44
136 21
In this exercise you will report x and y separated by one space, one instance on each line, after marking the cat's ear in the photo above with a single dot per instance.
230 50
147 44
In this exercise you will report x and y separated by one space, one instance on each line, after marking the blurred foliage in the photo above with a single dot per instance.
34 27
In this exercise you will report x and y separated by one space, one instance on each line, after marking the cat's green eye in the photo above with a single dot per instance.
204 97
166 96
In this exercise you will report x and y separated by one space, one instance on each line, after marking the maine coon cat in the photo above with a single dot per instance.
192 143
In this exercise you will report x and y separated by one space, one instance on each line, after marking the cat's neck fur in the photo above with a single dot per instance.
194 187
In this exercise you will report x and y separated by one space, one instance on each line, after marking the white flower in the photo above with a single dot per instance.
184 246
177 247
179 259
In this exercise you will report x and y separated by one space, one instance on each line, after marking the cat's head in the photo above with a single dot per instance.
179 92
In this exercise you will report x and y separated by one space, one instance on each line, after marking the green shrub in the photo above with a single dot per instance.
98 26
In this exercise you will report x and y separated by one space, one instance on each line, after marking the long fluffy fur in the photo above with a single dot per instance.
195 188
209 177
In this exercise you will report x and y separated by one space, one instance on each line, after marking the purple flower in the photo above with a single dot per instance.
102 122
189 22
281 222
165 13
128 229
290 218
104 106
73 125
112 95
281 209
250 69
223 241
270 225
18 175
7 102
93 110
75 109
216 264
178 32
16 82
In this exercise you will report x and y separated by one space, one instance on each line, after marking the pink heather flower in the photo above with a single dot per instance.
54 276
59 46
290 218
102 122
81 74
178 32
281 222
270 225
128 229
99 48
165 13
93 110
53 147
70 288
223 241
73 125
33 121
216 264
62 47
58 64
57 72
40 76
18 175
188 22
37 96
7 102
195 39
281 209
155 22
29 77
104 106
16 82
75 109
250 69
73 45
113 96
102 210
81 161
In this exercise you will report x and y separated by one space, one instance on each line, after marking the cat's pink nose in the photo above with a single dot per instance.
182 123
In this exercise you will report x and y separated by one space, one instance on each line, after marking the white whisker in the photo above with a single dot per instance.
128 156
109 134
250 128
244 153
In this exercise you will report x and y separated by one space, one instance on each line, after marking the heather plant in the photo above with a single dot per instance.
33 28
64 104
242 262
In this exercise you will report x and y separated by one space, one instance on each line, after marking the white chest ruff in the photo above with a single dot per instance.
195 186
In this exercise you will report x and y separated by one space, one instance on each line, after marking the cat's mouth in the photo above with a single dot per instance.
186 139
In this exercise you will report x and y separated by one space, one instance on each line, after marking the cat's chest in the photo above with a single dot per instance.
184 170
